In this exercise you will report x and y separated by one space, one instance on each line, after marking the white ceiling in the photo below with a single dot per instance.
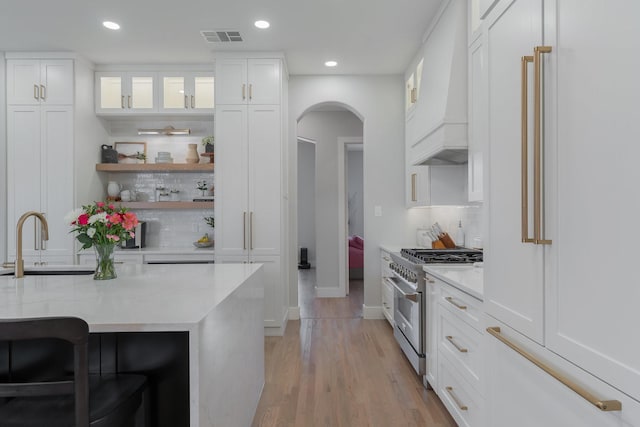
364 36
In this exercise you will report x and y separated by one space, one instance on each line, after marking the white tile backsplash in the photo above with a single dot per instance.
449 216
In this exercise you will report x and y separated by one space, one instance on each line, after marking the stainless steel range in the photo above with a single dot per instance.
410 295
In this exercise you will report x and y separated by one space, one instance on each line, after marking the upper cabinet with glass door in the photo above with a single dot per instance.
120 93
186 93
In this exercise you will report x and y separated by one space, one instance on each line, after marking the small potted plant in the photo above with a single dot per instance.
211 221
207 141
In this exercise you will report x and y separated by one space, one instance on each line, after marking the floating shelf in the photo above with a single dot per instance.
155 167
167 205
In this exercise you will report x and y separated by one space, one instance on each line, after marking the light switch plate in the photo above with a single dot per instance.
377 210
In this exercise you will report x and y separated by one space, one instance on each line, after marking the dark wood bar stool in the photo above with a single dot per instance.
86 400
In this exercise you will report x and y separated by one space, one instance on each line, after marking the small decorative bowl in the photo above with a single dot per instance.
203 244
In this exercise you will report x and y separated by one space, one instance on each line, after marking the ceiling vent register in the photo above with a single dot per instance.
221 36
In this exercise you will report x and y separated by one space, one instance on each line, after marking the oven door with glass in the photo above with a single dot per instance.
409 318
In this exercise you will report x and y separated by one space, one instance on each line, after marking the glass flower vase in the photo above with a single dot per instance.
105 266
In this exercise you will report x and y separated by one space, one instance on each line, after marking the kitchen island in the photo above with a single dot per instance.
218 309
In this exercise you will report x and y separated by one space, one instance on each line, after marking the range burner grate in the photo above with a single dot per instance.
442 256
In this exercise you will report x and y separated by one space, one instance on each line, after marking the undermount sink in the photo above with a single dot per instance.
58 270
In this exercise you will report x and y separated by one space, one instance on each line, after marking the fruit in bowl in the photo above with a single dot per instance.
204 242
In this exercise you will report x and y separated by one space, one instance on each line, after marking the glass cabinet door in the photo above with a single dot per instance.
203 92
173 92
111 92
141 93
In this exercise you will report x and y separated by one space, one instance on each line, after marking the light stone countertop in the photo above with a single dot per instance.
142 297
467 278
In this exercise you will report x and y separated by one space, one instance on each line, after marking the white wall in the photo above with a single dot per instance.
307 199
379 102
354 192
3 162
324 127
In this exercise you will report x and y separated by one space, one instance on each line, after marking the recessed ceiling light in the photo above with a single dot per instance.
330 64
262 24
111 25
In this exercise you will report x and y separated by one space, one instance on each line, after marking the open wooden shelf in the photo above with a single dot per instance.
167 205
155 167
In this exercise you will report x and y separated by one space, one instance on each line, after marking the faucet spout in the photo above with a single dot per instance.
19 265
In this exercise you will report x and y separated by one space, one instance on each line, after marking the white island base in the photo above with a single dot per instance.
219 306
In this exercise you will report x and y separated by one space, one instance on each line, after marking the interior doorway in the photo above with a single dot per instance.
327 209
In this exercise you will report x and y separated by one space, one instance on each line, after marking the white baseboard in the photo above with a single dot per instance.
272 329
331 292
372 312
294 313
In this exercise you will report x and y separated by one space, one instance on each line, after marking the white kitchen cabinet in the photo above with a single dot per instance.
248 180
436 185
119 92
432 326
387 287
186 93
569 294
249 81
521 393
40 82
274 294
39 141
514 294
477 120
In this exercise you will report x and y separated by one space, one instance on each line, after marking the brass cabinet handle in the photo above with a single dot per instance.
250 92
122 101
414 196
455 399
537 147
603 405
36 92
129 101
244 91
251 230
43 93
451 301
525 150
456 345
193 104
414 95
244 231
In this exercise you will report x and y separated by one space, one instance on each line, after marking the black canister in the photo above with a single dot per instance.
108 155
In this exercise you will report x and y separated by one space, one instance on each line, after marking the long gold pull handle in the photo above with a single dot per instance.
36 92
414 95
525 150
251 230
451 301
414 196
603 405
193 101
129 101
250 92
43 93
122 101
244 91
537 147
456 345
455 399
244 231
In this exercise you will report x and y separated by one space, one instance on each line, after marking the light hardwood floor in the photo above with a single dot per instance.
333 368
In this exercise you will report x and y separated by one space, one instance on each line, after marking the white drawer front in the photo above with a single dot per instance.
462 305
462 345
463 402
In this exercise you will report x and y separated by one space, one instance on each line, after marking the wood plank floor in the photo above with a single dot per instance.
333 368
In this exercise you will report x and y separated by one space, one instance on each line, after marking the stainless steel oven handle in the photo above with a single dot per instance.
412 297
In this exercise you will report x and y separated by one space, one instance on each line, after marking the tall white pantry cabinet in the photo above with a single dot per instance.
249 198
561 288
40 97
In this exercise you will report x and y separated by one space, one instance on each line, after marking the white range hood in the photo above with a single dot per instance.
437 122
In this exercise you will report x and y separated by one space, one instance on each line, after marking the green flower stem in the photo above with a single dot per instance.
105 267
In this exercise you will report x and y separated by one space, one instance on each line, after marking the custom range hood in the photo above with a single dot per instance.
437 124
